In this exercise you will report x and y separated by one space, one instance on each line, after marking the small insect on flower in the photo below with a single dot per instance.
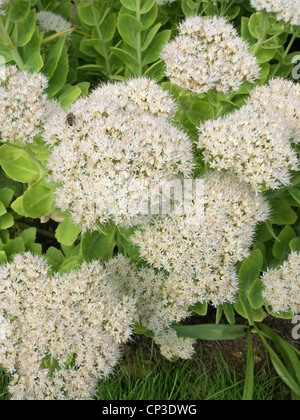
71 119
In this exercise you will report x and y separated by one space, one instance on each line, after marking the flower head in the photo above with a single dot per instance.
209 54
23 105
62 332
282 286
107 162
172 346
286 10
255 140
139 96
200 253
51 22
3 4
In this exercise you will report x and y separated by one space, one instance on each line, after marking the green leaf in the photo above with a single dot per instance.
129 27
37 201
6 195
54 257
152 53
29 235
86 15
281 248
108 27
9 152
156 71
3 258
17 206
19 10
14 246
32 54
258 25
249 380
200 309
255 294
67 232
282 213
2 209
96 246
52 58
6 221
35 249
69 95
212 332
200 112
295 245
22 169
150 35
127 58
59 78
26 29
250 270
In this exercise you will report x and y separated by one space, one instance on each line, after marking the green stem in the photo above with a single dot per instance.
139 39
249 382
14 51
288 48
100 35
40 231
58 34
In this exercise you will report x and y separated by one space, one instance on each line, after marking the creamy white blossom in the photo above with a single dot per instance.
255 140
282 98
107 162
282 286
200 253
172 346
51 22
286 10
23 103
209 54
61 333
139 96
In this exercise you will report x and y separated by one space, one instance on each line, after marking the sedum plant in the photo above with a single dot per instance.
109 110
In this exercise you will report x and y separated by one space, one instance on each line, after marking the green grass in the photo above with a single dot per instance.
142 379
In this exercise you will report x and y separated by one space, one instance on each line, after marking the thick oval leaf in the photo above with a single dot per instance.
67 232
37 201
212 332
96 246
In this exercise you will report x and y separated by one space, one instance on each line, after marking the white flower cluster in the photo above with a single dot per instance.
110 159
286 10
255 140
51 22
200 255
60 334
282 98
139 96
282 286
172 346
24 106
209 54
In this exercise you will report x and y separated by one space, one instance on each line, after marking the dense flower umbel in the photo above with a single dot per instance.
201 256
107 162
255 141
139 96
51 22
286 10
209 54
172 346
282 286
79 319
23 104
282 98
